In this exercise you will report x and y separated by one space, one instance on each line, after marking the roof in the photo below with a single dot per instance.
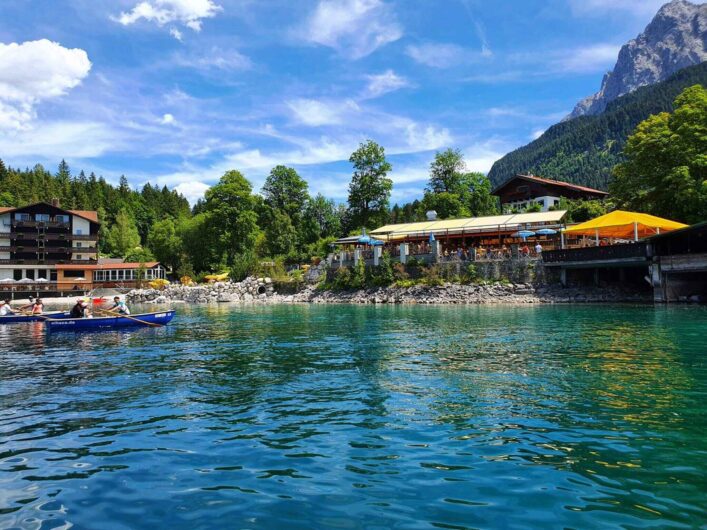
106 266
89 215
623 224
550 182
469 225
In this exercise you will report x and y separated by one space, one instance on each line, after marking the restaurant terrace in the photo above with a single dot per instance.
466 239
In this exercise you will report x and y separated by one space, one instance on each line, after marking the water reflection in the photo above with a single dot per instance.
358 416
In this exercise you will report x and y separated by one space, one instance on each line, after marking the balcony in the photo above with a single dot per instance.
83 237
18 262
40 224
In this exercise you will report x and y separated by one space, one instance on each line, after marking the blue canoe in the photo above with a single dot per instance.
108 323
18 318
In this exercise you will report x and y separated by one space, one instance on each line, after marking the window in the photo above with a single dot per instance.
79 232
61 218
79 244
30 274
42 273
79 256
43 217
74 274
522 189
22 217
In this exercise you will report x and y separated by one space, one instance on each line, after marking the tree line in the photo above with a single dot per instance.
233 228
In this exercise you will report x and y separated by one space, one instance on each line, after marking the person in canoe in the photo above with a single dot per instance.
119 306
38 307
5 308
29 306
80 310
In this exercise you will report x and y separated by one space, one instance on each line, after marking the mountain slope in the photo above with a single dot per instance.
584 150
676 38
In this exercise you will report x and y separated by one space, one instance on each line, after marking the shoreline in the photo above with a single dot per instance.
262 291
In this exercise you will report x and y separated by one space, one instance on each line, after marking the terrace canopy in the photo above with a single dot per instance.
624 225
470 226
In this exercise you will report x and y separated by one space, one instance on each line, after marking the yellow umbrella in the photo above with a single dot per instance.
624 225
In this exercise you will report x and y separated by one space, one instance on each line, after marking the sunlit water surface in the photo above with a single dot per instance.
360 417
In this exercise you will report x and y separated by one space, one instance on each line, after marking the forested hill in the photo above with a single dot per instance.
19 187
585 150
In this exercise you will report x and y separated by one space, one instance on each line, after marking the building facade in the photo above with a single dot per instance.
45 249
523 191
36 238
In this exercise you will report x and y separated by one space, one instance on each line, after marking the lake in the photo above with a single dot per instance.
360 417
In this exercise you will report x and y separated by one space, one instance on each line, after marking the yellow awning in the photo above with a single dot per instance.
625 225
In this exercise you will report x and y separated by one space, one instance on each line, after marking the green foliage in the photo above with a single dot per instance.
280 234
123 235
665 172
230 209
164 242
139 255
446 171
431 276
470 275
286 191
586 149
370 188
580 210
243 265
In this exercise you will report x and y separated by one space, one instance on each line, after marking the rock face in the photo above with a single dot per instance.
249 290
676 38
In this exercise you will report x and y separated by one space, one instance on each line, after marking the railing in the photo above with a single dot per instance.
35 224
19 262
607 253
83 237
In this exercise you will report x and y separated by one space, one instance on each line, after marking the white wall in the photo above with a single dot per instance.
80 225
5 273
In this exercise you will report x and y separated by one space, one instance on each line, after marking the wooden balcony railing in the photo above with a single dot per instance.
607 253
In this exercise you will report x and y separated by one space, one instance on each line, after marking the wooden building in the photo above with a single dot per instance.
522 191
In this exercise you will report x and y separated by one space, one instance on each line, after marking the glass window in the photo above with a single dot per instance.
44 217
79 232
61 218
22 217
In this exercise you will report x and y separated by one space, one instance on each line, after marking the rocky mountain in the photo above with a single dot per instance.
585 150
675 38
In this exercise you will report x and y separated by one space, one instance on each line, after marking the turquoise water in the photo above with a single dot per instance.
360 417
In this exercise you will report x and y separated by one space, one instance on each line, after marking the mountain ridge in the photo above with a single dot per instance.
675 39
585 150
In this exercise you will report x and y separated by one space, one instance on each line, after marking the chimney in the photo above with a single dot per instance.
56 203
431 215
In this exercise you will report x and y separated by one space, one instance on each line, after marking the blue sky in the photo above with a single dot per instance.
176 92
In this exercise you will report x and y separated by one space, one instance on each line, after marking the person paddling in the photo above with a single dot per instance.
29 306
80 310
38 307
119 306
5 308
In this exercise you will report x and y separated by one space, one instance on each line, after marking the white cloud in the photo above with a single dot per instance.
314 113
480 157
388 81
217 59
444 55
589 59
599 7
193 190
537 134
190 13
56 140
168 119
355 28
35 71
426 138
176 34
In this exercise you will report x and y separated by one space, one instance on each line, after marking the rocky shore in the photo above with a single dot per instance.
261 290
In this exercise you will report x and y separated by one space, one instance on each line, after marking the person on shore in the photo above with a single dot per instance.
119 306
538 249
80 310
38 307
525 250
5 308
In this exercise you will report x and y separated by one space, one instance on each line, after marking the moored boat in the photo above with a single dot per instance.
19 318
156 319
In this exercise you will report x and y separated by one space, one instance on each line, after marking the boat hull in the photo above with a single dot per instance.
18 319
107 323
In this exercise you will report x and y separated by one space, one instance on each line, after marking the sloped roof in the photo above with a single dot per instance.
549 182
89 215
469 224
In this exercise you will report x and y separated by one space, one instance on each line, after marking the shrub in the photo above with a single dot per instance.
243 266
342 279
358 276
471 275
399 272
430 276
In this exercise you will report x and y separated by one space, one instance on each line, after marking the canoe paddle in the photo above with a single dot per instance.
114 314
